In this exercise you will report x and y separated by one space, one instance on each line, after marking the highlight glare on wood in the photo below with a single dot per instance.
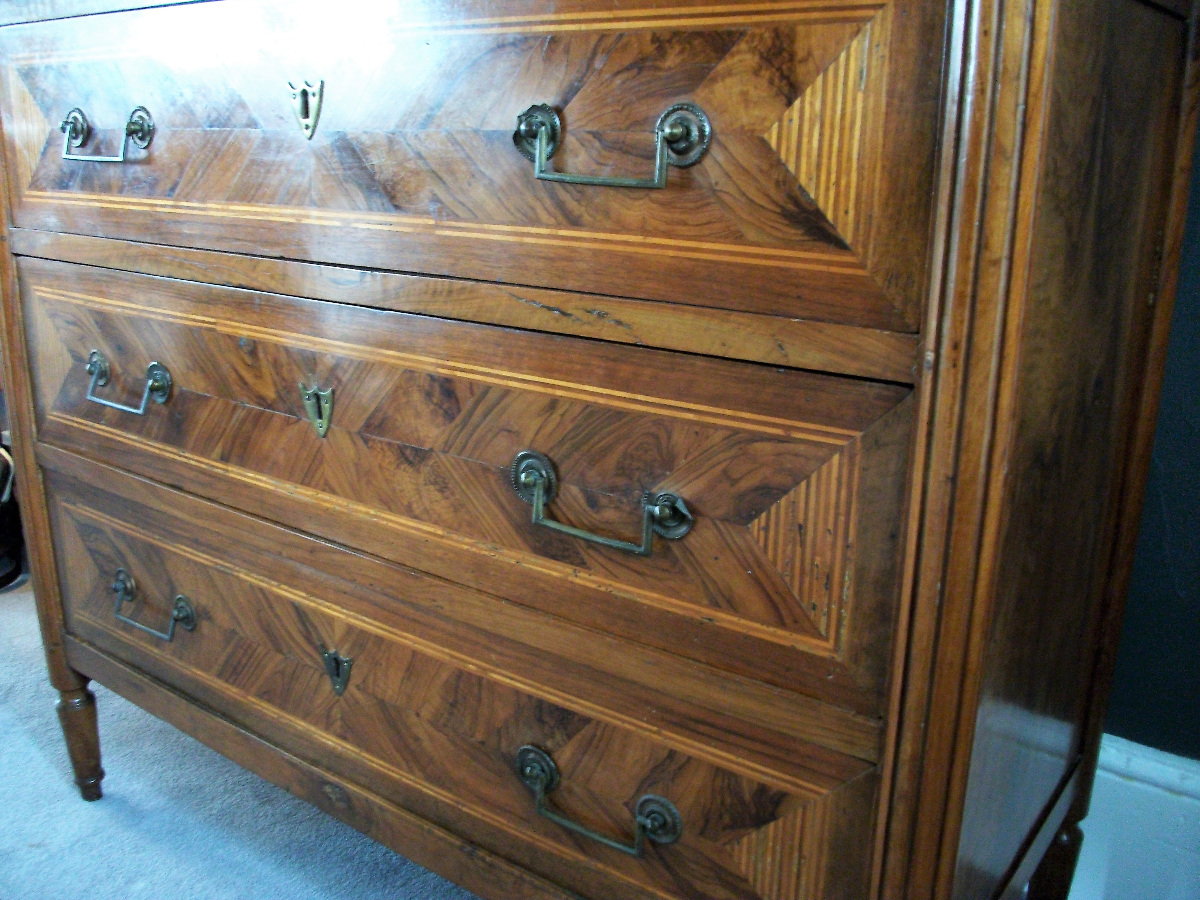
413 166
895 339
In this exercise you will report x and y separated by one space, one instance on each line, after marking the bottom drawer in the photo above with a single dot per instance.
620 814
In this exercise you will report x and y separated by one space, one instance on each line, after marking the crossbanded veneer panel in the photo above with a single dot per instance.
805 206
428 416
425 724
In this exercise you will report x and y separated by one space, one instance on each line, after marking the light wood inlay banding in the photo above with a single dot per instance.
806 535
440 734
820 346
418 173
820 137
764 854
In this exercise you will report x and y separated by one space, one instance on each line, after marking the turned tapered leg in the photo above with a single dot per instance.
77 713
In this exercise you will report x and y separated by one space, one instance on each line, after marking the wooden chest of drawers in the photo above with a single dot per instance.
649 450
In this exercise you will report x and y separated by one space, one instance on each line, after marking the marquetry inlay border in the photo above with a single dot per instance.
699 749
623 400
813 12
839 174
834 262
529 562
783 858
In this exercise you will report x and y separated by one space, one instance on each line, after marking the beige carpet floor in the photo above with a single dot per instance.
177 820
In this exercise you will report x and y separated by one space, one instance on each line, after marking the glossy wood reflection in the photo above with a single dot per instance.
778 341
429 416
1092 271
807 203
420 719
895 338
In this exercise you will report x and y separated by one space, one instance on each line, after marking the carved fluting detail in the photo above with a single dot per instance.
820 137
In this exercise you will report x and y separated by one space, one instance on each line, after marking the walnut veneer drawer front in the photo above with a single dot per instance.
734 399
339 681
780 492
810 200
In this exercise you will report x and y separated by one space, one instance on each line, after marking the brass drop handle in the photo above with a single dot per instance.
655 818
182 611
158 384
681 137
534 481
76 129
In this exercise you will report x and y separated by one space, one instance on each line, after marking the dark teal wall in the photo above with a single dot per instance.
1156 691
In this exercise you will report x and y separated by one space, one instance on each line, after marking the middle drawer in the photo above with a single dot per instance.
714 508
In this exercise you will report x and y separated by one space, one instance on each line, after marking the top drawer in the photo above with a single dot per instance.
810 201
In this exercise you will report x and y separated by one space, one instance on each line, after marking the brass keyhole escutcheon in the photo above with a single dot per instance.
306 103
319 407
337 667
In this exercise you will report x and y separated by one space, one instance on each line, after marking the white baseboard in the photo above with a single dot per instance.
1137 762
1141 839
